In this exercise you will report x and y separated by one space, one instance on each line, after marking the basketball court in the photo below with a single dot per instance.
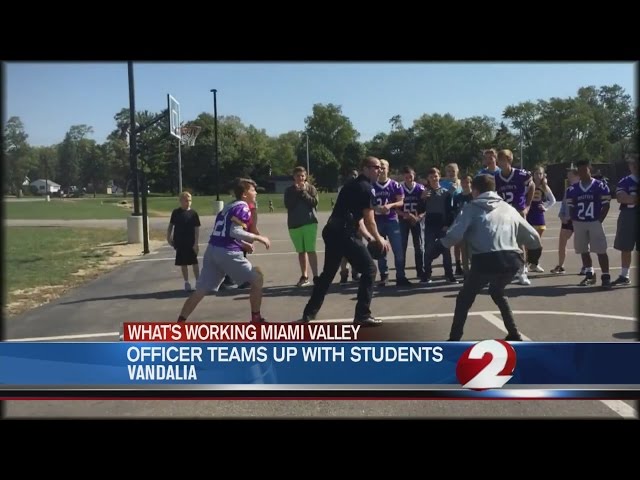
552 308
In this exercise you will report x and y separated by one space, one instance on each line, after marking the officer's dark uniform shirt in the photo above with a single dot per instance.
355 196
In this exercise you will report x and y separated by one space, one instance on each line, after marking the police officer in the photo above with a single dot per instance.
352 212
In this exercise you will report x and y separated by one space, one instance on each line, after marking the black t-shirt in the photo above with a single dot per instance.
354 197
184 227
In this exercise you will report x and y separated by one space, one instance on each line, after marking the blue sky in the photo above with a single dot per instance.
50 97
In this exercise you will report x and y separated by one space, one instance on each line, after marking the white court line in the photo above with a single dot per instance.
266 254
64 337
619 407
391 319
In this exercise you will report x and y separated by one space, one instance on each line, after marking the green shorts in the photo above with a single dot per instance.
304 238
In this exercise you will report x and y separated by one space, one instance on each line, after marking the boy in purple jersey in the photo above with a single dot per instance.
389 196
543 200
514 185
627 229
410 219
588 205
225 253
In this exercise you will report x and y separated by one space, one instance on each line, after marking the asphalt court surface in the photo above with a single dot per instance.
552 308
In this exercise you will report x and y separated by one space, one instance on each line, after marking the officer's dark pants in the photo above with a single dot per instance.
473 284
339 243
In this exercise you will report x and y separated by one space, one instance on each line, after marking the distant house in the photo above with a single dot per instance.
279 183
40 186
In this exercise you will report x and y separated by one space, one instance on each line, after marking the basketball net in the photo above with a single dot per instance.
189 134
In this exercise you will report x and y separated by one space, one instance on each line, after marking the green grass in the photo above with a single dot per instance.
108 208
41 256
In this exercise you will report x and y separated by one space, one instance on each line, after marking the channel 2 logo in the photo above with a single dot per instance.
487 364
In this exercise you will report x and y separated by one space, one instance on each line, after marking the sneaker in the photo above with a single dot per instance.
245 285
583 271
355 276
307 317
451 279
383 280
621 281
403 282
535 268
523 279
257 322
459 272
369 321
303 282
344 276
426 279
605 278
187 287
513 337
589 279
558 270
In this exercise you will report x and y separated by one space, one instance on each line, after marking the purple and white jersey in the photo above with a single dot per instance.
628 184
236 213
412 197
513 189
386 194
535 216
585 203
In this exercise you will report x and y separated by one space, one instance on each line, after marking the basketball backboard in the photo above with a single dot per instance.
174 116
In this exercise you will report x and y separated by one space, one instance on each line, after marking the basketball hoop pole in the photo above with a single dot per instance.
133 148
215 150
180 163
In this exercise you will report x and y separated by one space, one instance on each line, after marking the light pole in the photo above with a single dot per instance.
215 149
308 171
521 151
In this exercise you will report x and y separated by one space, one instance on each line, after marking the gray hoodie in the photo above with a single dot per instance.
488 224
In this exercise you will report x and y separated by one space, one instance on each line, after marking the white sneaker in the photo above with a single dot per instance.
535 268
187 287
523 279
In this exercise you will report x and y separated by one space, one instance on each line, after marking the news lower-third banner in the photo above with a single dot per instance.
484 369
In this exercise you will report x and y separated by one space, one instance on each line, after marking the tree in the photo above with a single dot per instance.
18 155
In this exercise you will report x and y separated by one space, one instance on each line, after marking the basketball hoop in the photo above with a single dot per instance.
189 135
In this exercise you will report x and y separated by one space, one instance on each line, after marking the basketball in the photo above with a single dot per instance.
375 250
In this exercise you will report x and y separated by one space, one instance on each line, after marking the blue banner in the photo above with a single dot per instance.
489 364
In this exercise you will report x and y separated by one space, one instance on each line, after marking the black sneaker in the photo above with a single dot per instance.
589 279
513 337
369 321
355 276
383 280
451 279
558 270
344 276
403 282
621 281
244 285
459 272
606 280
307 317
426 279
